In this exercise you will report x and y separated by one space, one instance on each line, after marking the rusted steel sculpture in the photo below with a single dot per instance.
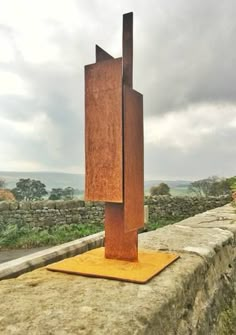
114 170
114 146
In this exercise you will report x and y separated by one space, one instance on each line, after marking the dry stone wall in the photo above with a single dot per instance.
181 207
193 296
48 213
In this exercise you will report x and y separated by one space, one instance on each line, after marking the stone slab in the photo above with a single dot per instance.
28 263
222 217
202 241
43 302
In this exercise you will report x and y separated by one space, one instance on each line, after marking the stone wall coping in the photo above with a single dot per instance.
41 258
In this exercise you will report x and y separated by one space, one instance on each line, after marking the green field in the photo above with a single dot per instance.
180 191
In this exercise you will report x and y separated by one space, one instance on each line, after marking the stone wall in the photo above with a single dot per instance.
48 213
195 295
181 207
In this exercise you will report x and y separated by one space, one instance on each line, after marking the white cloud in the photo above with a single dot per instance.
189 128
31 128
12 84
7 53
21 165
34 23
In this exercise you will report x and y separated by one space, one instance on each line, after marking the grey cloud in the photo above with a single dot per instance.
187 55
184 54
57 93
215 156
16 108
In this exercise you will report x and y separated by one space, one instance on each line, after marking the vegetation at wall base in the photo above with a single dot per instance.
14 236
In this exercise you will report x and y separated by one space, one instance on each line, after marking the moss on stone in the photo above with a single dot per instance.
226 323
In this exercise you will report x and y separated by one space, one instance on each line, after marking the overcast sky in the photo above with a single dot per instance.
184 65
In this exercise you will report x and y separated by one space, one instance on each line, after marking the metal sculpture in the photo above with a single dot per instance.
114 170
114 146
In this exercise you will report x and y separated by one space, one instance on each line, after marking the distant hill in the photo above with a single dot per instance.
60 179
170 183
50 179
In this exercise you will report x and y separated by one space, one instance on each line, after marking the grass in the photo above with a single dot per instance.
13 236
180 191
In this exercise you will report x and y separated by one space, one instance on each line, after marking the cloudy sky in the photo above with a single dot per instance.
184 64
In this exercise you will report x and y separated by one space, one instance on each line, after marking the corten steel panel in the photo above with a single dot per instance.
118 243
103 131
133 160
101 54
127 49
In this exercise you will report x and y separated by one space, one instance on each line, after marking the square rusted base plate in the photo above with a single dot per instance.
94 264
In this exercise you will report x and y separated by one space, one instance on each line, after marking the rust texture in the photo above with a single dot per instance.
118 244
114 146
133 160
127 49
103 131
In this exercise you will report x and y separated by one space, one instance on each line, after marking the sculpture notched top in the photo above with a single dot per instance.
114 146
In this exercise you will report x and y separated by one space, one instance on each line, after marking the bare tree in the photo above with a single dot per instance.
212 186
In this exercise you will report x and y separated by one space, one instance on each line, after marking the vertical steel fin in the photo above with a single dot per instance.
127 47
133 159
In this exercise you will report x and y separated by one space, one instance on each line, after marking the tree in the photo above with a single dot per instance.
232 183
29 189
2 183
69 193
59 193
212 186
161 189
56 194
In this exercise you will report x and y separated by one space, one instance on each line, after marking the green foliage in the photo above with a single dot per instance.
16 236
212 186
69 193
2 183
59 193
161 189
232 183
29 189
56 194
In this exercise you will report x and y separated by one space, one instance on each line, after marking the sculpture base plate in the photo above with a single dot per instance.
94 264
